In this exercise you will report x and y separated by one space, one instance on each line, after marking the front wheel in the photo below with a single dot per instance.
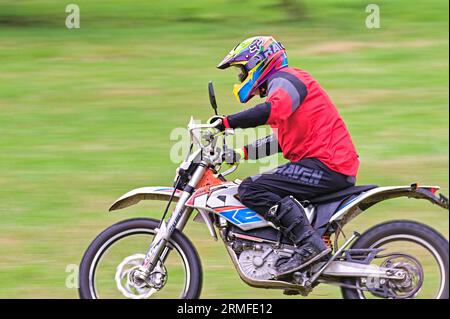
110 259
414 247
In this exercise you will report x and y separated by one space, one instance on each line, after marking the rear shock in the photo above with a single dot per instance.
327 241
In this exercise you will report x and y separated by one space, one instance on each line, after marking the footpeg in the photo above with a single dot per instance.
317 258
338 253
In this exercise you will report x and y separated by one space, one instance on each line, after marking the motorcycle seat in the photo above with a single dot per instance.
352 190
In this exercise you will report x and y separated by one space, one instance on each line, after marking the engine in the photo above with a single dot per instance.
256 265
258 261
258 251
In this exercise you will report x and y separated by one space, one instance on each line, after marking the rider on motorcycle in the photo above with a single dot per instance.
307 129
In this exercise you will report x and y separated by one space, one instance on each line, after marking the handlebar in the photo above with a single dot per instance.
211 138
193 126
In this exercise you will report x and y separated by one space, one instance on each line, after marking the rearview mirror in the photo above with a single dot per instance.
212 96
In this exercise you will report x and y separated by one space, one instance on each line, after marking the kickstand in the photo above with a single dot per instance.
338 253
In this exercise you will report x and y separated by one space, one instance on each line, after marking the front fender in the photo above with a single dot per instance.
158 193
367 199
144 193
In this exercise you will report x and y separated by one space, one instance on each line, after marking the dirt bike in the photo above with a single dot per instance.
395 259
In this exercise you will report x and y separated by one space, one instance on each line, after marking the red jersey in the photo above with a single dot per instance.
304 120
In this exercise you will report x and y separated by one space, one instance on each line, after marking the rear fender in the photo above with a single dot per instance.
367 199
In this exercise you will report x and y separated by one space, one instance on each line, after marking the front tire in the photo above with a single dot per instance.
414 231
184 247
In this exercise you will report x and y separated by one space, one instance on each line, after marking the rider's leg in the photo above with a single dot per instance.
305 179
290 216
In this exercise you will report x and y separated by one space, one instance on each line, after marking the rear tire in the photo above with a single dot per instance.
411 228
132 226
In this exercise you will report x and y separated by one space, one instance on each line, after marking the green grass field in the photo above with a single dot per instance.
86 114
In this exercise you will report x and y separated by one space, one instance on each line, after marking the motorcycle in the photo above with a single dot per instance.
395 259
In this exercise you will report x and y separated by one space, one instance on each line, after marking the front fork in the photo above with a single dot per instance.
159 250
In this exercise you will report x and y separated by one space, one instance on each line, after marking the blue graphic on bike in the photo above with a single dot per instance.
241 216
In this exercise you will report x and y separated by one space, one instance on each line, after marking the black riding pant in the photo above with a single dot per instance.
305 179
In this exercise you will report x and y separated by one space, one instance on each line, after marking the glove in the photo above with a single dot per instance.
221 126
233 156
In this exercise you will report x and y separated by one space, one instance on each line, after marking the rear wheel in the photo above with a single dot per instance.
413 247
108 264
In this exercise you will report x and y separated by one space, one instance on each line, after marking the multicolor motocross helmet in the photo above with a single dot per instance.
256 58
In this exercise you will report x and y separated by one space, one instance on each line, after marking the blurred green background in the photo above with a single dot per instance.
86 114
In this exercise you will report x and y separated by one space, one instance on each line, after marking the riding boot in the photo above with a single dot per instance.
290 216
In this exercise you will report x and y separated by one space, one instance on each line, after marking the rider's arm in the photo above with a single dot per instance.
251 117
285 94
262 147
